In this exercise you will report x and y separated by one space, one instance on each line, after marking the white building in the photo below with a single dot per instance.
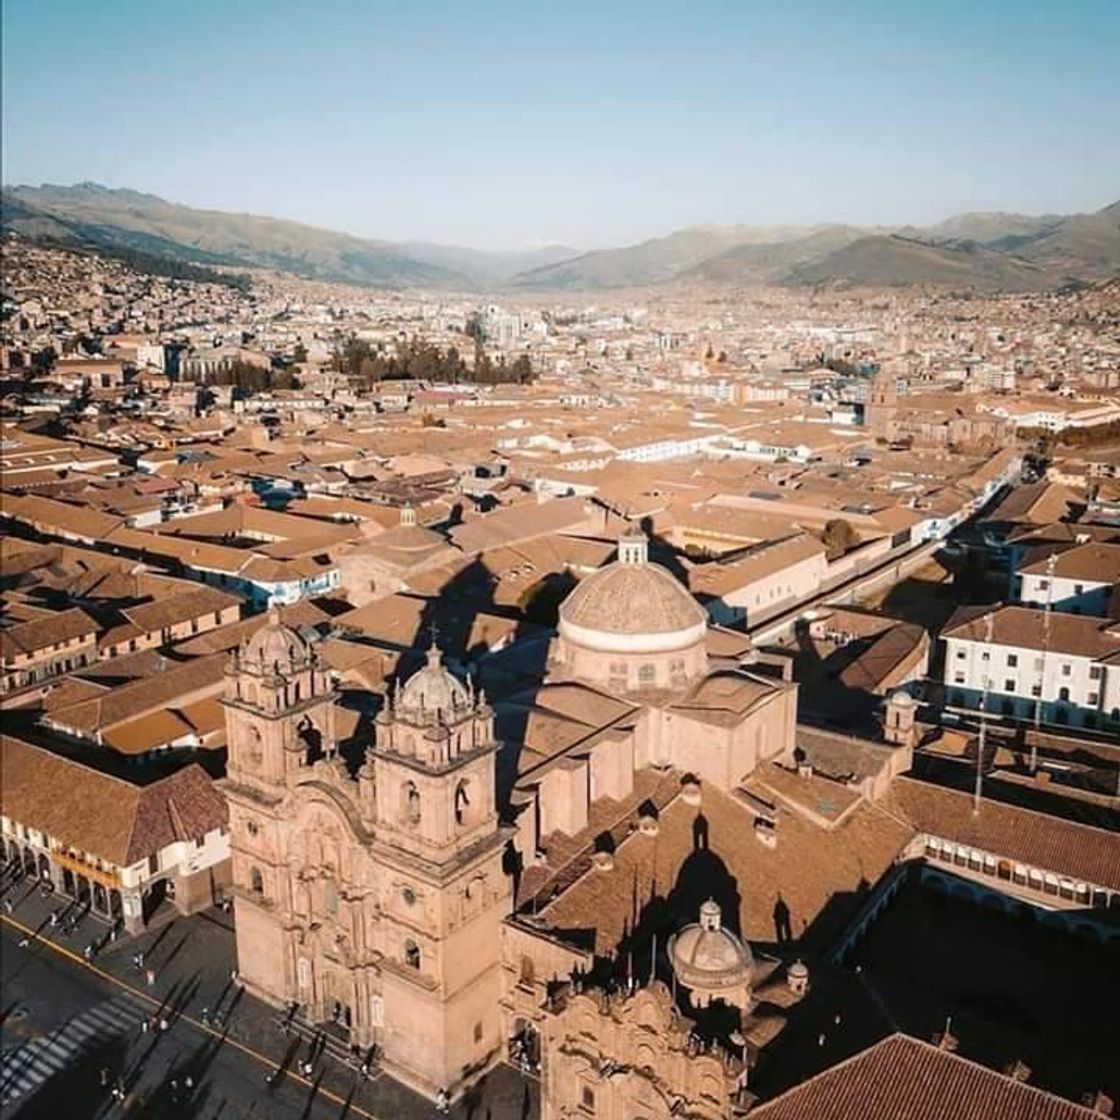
1079 580
1068 664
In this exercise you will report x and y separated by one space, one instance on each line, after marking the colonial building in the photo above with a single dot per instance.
370 896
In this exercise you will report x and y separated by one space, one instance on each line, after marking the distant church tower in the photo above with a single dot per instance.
445 889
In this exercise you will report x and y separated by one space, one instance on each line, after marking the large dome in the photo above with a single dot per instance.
628 599
709 959
275 648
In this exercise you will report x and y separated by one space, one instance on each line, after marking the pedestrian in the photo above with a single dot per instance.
139 958
144 1024
206 1016
24 942
104 1077
163 1024
233 975
8 907
188 1081
151 977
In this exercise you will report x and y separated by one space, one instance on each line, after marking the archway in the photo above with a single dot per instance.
28 861
525 1045
153 898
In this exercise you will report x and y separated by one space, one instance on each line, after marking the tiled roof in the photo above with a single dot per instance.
1090 855
105 816
902 1078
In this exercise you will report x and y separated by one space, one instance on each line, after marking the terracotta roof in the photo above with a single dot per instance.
1082 853
1098 563
41 633
902 1078
105 816
830 864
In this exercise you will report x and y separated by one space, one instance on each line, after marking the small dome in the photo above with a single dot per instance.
432 689
275 648
630 597
708 958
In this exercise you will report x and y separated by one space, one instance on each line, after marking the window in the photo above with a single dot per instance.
1036 690
1063 695
958 678
1094 672
330 897
587 1098
1092 699
256 881
410 803
961 655
647 675
478 1032
1043 584
412 954
1009 685
251 828
1079 589
986 655
1067 669
462 803
1012 660
153 863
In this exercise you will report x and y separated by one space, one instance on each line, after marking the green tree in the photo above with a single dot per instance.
838 538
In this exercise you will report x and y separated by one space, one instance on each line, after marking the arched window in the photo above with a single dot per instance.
410 803
462 803
647 675
256 881
412 954
330 897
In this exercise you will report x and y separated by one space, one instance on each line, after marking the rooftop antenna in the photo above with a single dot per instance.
987 683
1051 562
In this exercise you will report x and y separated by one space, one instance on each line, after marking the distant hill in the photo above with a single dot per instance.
93 215
650 262
769 260
895 261
984 251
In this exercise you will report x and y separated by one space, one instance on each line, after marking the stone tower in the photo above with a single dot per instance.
444 891
280 722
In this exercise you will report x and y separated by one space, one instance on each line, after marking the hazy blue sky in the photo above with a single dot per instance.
498 124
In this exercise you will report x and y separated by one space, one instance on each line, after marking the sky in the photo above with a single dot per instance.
509 125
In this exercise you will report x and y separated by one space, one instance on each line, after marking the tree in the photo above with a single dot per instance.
838 538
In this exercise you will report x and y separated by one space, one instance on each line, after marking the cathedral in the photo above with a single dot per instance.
402 892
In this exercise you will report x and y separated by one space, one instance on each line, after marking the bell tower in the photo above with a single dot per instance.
444 889
280 721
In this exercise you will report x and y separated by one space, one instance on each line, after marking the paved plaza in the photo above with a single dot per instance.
190 1044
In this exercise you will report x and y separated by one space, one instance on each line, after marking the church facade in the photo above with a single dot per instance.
371 900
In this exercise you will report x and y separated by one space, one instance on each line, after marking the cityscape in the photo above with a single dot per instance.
672 677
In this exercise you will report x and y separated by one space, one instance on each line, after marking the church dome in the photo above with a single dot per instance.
709 959
433 689
632 605
276 648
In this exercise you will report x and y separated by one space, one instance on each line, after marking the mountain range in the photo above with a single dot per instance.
976 251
